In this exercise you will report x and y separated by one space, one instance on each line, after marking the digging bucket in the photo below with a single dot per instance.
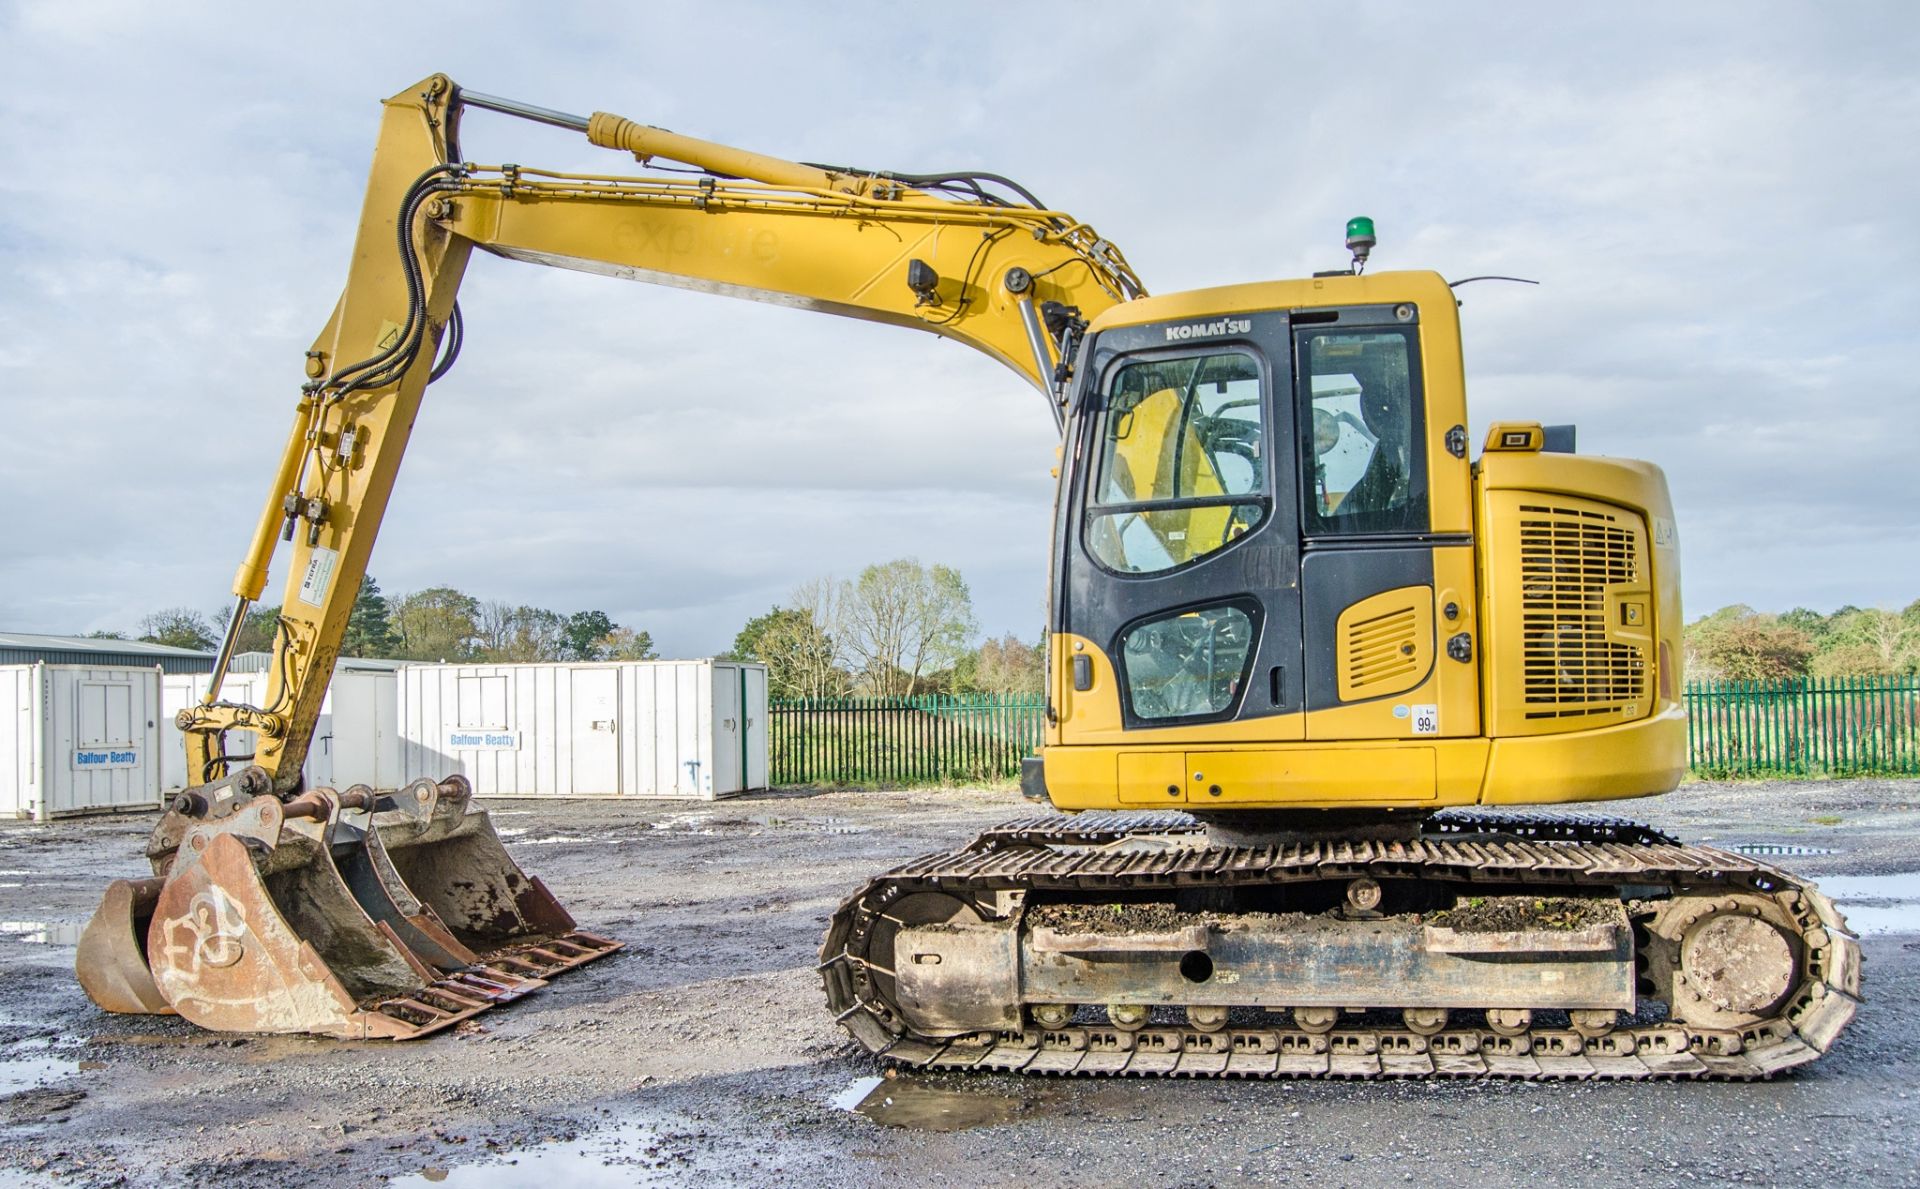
112 959
294 917
444 849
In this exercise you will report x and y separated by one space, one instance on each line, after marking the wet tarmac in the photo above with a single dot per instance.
703 1053
1877 903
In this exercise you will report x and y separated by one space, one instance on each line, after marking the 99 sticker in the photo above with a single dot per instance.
1426 720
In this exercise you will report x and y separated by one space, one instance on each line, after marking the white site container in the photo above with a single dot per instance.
679 729
78 739
356 741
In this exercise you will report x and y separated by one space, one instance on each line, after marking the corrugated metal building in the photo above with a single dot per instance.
25 648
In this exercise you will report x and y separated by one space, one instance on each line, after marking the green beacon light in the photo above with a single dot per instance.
1360 241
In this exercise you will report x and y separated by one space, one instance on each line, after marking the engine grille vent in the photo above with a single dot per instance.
1569 558
1383 649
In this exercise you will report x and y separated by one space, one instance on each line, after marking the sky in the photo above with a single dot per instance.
1716 198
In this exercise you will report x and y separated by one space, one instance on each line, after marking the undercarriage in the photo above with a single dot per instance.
1467 944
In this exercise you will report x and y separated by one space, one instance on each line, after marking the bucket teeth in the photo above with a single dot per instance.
390 923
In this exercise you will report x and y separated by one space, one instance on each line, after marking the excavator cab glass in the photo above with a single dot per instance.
1361 393
1181 446
1188 664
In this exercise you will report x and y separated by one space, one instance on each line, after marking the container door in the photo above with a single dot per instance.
107 762
19 729
351 727
385 738
596 732
729 730
323 767
753 681
692 731
484 739
178 691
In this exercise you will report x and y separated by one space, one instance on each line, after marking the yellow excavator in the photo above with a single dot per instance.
1306 652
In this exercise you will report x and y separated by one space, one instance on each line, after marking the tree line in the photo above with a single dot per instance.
1738 643
435 624
899 628
902 628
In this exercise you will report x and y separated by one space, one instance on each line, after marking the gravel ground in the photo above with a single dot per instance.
703 1052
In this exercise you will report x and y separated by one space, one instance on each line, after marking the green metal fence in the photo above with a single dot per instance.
1841 726
901 741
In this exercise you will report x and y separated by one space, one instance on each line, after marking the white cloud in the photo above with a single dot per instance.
1715 197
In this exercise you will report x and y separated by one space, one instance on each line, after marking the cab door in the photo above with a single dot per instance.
1179 542
1387 593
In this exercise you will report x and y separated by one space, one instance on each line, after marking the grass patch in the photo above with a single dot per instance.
1826 819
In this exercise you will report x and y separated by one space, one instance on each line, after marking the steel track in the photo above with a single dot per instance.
1091 855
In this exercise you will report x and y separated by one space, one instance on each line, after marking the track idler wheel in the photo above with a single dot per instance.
1725 961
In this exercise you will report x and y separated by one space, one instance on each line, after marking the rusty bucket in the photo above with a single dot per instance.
354 915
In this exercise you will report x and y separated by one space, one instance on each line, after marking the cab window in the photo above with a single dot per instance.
1188 664
1180 467
1363 460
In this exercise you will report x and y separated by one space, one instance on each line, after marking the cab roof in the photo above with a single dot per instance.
1422 288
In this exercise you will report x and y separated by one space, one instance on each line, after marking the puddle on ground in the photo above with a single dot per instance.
43 932
810 825
1781 848
856 1093
903 1102
35 1063
631 1153
707 824
1877 903
699 823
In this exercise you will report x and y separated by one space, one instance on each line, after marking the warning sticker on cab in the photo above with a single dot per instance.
319 576
1426 720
